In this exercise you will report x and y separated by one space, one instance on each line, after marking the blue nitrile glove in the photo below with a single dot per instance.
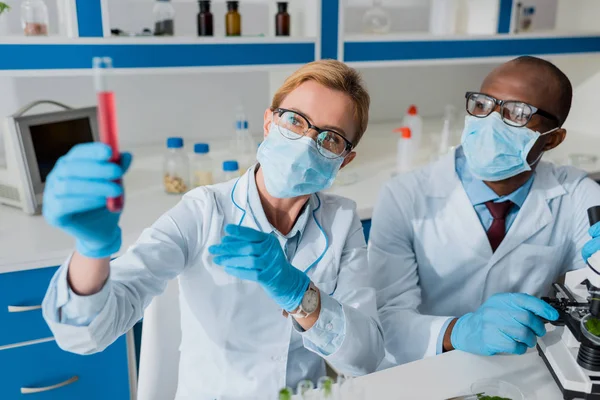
506 323
75 198
256 256
593 245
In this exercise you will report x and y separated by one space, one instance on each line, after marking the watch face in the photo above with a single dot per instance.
310 302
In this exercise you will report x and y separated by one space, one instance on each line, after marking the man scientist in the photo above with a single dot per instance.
465 245
272 273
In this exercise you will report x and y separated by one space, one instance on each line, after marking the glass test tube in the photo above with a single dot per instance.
107 121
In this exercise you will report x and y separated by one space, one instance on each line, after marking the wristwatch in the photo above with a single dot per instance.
309 304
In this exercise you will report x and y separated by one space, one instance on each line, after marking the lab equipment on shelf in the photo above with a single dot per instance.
376 19
524 18
282 19
413 120
442 17
405 151
34 18
205 19
586 162
231 170
176 167
233 19
107 120
164 18
202 166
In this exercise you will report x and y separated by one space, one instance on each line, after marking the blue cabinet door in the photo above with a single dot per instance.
23 289
99 376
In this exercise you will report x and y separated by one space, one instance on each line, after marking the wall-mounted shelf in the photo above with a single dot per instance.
399 49
32 56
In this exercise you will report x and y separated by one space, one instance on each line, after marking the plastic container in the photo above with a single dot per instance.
231 170
164 18
243 146
202 166
446 143
233 19
376 20
442 17
282 19
413 120
176 167
205 19
404 155
494 387
34 18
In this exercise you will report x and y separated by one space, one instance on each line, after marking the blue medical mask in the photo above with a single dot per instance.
495 150
295 168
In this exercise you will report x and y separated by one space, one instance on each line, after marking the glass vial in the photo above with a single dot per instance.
231 170
176 167
205 19
202 166
233 19
376 20
282 19
34 18
164 18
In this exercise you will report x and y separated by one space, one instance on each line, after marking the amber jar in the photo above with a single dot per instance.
205 19
233 19
282 19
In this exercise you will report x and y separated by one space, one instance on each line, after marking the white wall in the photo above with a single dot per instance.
151 108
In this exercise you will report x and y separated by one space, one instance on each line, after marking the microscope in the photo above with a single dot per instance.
570 351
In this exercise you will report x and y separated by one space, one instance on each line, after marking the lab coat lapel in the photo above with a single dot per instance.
535 213
458 214
240 208
313 245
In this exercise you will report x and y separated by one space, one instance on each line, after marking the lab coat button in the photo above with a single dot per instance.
329 326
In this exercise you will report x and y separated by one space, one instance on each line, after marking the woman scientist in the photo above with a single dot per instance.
243 251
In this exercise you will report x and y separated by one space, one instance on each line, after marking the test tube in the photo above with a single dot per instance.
107 121
304 389
325 386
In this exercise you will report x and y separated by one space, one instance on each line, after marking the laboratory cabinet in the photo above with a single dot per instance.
31 363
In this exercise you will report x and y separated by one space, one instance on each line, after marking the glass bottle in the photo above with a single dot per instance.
205 19
176 167
34 18
230 170
376 20
233 19
202 166
164 18
282 19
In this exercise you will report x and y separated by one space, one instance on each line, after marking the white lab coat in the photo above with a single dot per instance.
235 342
434 260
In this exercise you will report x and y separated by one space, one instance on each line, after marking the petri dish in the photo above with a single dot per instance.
495 387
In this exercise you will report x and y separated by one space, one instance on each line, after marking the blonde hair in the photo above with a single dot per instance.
333 75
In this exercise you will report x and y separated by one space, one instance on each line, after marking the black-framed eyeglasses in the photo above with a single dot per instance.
330 144
513 112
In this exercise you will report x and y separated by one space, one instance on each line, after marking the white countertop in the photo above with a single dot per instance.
452 374
28 242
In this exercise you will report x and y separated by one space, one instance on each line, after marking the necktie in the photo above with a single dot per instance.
497 230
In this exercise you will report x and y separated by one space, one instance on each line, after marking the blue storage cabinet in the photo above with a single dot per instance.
31 363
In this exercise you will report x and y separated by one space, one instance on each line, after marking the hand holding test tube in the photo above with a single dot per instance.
107 120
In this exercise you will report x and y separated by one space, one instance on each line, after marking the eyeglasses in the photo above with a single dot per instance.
513 112
330 144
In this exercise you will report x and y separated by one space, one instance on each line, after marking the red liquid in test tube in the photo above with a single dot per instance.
107 122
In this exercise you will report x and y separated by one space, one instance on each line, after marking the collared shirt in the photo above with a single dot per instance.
479 193
326 335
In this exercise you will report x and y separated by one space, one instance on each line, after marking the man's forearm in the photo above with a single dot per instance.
87 276
447 336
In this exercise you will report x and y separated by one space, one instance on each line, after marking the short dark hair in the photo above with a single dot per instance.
563 83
